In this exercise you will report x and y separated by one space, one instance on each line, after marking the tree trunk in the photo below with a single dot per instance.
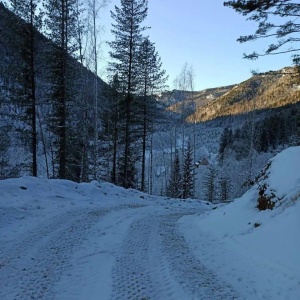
62 104
33 97
128 109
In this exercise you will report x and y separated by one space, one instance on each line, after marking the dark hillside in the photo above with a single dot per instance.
14 110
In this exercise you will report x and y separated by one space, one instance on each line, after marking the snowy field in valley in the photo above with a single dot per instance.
63 240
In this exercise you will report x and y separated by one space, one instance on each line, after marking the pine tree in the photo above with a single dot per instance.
111 126
28 23
152 79
188 174
209 184
9 87
174 189
266 12
225 188
124 52
4 146
61 28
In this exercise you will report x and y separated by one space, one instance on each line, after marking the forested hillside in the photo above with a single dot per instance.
260 92
195 100
257 93
58 118
31 115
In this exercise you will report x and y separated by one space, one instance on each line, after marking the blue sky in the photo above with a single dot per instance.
203 34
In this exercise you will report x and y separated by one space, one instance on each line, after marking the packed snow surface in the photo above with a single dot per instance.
63 240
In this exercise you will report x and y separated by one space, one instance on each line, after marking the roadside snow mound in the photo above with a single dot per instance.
272 233
280 180
264 244
28 200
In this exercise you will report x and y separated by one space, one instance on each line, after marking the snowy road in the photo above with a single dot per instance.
62 240
155 263
35 263
125 252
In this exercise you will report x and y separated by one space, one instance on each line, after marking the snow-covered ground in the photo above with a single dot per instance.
63 240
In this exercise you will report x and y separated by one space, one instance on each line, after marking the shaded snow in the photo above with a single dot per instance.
264 260
63 240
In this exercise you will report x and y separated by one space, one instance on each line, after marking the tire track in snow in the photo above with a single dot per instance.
131 277
37 262
196 280
141 272
155 263
45 229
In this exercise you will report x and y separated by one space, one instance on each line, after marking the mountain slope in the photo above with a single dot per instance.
258 92
177 99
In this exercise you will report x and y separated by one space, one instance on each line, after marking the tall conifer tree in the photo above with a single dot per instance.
27 26
188 174
174 188
61 21
127 30
209 184
153 79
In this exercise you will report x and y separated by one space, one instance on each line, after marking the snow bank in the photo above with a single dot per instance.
26 201
64 239
262 247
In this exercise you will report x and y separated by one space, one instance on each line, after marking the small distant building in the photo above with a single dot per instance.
202 162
